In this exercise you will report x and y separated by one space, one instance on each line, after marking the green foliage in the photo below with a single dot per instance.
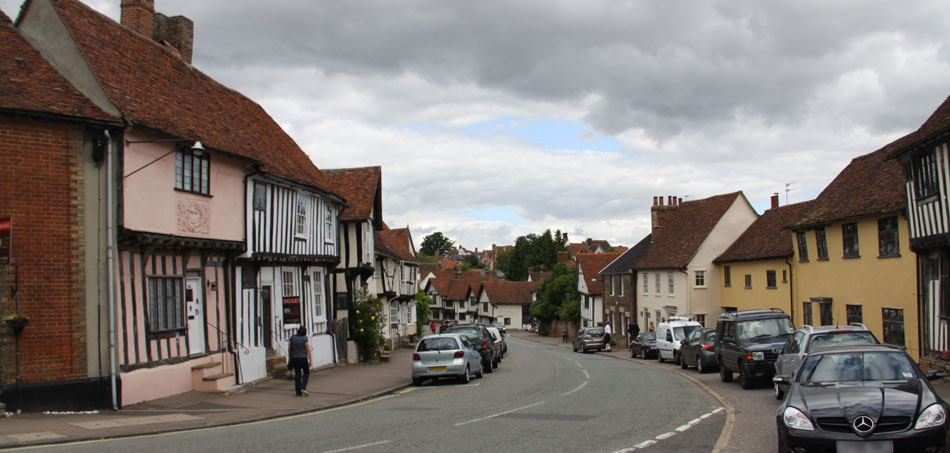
368 326
473 262
436 244
426 258
557 296
422 309
531 251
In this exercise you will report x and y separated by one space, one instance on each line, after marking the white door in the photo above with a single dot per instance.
196 320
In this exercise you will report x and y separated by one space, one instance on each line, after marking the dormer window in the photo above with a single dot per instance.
192 171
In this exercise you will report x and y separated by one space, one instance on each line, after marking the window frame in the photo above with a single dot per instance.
185 173
329 225
802 247
699 278
300 216
771 279
657 285
889 326
727 276
319 302
259 197
850 247
807 315
924 176
748 281
671 283
821 243
159 307
646 282
888 237
854 313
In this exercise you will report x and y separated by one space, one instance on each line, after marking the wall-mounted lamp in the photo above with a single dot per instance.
198 149
212 286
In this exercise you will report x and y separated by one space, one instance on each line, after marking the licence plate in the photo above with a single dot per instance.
597 338
437 368
851 446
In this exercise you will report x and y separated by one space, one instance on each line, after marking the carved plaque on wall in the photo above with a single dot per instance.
194 216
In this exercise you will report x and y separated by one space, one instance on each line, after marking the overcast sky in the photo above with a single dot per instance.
494 119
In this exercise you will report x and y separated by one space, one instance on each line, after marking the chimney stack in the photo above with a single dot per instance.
659 212
178 31
774 200
138 16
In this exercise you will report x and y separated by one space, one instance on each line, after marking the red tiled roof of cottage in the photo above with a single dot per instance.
684 230
590 264
936 127
153 87
454 288
362 189
28 83
394 243
509 293
871 184
767 237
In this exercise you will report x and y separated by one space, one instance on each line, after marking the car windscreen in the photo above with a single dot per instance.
471 332
856 366
680 333
437 344
594 331
763 330
824 340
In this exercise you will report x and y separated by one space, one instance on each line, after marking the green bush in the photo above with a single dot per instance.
368 328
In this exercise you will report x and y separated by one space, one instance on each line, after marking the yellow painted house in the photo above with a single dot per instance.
852 260
755 271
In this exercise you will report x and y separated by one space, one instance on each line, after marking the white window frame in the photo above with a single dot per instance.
699 278
621 284
671 282
657 278
287 287
300 215
646 283
319 303
328 223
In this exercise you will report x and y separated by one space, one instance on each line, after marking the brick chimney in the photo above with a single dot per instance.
774 200
138 16
562 257
177 31
660 212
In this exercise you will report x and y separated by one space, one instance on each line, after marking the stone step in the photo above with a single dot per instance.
216 377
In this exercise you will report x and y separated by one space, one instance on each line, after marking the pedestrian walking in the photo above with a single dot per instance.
432 326
634 330
607 331
301 359
564 334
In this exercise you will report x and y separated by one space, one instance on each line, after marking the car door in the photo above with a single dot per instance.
688 347
785 364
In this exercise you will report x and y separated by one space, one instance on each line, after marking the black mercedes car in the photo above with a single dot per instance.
644 346
867 398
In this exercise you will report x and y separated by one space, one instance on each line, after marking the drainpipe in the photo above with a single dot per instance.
110 232
791 295
688 294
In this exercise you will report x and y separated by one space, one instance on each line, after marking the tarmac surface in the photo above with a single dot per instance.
272 398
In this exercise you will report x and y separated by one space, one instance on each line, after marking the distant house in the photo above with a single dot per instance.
620 295
56 149
855 233
924 157
677 274
506 302
453 299
588 246
756 271
397 268
591 288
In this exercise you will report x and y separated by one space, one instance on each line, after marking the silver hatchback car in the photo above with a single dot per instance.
445 355
808 339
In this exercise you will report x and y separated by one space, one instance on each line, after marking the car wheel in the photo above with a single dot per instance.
779 394
682 361
480 373
465 377
744 379
699 365
724 374
487 367
782 443
416 381
676 358
495 363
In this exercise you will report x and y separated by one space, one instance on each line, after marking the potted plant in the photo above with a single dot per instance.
16 321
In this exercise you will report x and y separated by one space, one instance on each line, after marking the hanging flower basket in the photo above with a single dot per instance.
16 322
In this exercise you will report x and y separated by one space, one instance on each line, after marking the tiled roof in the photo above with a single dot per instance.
29 84
509 293
590 264
871 184
628 259
454 288
576 249
394 243
156 89
936 126
362 189
684 230
767 237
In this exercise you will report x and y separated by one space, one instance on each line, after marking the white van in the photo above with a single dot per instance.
669 335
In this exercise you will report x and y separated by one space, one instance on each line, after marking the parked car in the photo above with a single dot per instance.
861 398
669 335
698 349
748 342
445 355
644 346
808 339
482 339
499 341
589 338
500 326
446 324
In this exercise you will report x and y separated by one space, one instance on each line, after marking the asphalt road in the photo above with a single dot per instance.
541 398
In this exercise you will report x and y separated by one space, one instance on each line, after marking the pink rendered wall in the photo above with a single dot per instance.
151 203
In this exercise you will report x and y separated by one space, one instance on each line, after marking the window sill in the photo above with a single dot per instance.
748 287
207 195
771 287
851 257
163 334
823 259
884 257
802 261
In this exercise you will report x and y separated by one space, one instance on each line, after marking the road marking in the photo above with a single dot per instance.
670 434
576 389
718 410
645 444
665 436
586 376
682 428
579 365
500 414
360 446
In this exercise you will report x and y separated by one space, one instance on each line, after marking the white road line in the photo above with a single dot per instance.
682 428
665 436
718 410
586 376
695 421
500 414
645 444
576 389
579 365
357 447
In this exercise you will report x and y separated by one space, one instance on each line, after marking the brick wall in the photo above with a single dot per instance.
41 182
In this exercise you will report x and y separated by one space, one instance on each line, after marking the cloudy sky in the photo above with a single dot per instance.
494 119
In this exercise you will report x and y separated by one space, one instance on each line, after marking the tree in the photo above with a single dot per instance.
422 309
557 296
473 262
531 252
436 244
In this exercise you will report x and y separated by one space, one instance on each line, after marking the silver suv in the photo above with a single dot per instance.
807 339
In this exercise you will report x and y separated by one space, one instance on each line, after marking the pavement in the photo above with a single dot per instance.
272 398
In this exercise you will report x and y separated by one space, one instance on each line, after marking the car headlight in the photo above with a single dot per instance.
758 356
795 419
932 417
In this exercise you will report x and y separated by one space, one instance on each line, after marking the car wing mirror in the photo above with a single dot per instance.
935 374
781 379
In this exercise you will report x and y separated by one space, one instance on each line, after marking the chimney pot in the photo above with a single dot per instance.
655 203
774 200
